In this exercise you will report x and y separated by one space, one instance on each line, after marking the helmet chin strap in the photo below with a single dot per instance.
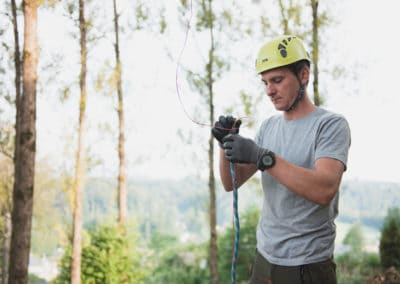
300 95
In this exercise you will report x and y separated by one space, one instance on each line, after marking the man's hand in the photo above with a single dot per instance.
241 150
224 126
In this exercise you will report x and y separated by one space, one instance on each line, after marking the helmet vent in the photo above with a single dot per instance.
282 49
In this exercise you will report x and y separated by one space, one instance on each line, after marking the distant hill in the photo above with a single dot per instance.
367 202
179 207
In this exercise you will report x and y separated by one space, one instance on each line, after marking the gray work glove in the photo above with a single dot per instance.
224 126
241 150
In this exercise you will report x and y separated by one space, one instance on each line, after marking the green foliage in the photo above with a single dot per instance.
291 17
265 25
177 263
247 247
7 134
163 21
389 246
142 15
393 214
159 241
355 238
205 17
356 268
34 279
49 3
247 102
324 19
64 276
157 217
109 258
46 216
227 16
6 184
182 264
224 27
184 3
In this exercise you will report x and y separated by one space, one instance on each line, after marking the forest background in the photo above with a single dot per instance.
166 153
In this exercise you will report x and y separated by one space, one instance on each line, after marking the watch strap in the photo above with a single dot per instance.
261 165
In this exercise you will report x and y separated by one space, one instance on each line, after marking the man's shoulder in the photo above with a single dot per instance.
324 115
328 113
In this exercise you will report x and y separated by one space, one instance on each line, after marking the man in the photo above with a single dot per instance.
302 154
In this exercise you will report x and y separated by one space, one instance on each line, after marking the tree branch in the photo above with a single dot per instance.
6 154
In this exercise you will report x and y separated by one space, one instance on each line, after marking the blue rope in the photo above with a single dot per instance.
237 224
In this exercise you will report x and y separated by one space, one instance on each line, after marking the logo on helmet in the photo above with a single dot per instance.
282 46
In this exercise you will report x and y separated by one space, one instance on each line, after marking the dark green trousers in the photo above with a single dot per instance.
264 272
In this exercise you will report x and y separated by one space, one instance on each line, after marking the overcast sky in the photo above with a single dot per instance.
365 41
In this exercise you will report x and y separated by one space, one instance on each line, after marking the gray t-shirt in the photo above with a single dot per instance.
292 230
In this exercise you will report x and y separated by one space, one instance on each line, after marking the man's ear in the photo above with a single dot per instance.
305 75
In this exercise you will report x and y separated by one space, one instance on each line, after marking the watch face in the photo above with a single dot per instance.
267 160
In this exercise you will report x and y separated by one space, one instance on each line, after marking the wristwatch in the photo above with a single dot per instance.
266 161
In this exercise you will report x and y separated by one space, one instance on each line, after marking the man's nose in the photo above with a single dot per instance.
270 90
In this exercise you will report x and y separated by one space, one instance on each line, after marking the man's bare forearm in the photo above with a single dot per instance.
242 171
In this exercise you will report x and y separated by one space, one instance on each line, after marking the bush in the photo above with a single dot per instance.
182 265
108 259
356 268
247 248
34 279
389 246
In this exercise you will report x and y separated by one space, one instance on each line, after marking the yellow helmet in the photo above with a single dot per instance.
281 51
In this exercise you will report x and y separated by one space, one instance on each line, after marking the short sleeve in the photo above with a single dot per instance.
333 139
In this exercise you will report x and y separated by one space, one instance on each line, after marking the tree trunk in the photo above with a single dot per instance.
213 211
80 158
122 198
18 71
25 151
211 181
17 59
284 21
315 50
5 254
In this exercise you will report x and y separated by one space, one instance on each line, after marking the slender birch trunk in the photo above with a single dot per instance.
122 194
315 50
211 182
80 157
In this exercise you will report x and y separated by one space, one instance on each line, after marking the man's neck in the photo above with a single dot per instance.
303 108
